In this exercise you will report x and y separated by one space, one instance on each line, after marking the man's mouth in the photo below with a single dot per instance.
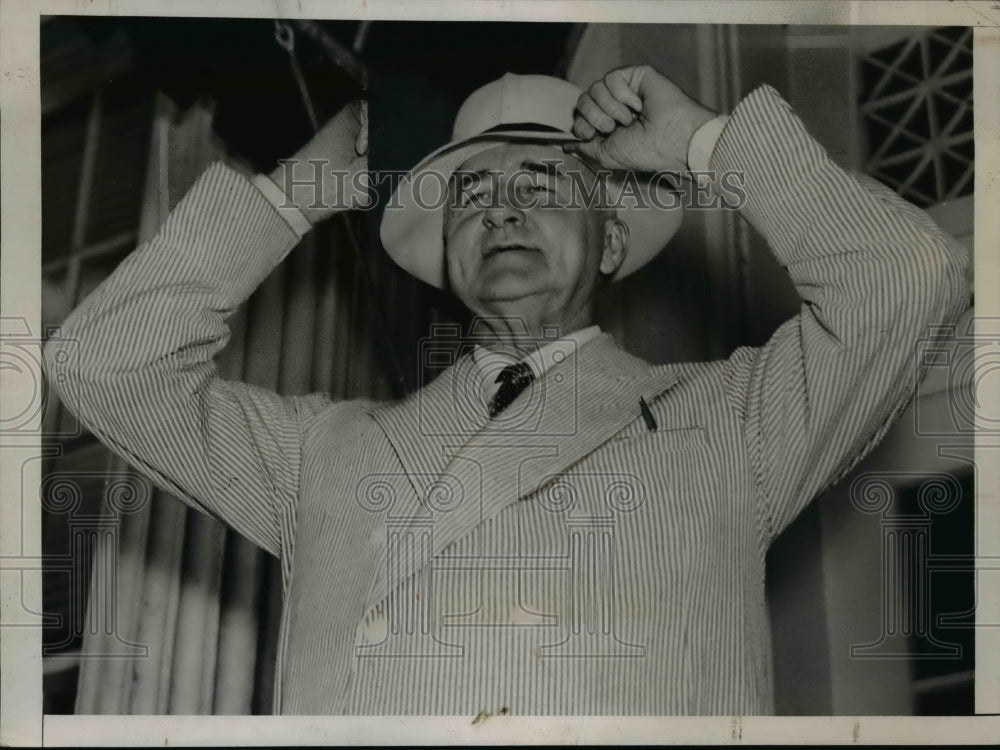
494 250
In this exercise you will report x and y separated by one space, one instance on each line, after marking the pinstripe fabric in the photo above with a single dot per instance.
565 560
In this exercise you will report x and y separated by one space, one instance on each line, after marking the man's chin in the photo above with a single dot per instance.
510 290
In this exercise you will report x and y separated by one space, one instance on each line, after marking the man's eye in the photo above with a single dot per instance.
479 199
533 188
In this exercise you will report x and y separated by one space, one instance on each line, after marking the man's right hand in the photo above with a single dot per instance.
339 152
637 118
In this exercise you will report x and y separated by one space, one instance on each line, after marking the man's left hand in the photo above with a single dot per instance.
636 118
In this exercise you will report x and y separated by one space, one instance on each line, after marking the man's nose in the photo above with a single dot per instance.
502 213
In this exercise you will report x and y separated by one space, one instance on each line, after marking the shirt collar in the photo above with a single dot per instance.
489 363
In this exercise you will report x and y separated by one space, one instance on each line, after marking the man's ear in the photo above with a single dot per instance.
615 245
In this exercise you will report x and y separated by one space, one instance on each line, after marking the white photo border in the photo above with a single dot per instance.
21 718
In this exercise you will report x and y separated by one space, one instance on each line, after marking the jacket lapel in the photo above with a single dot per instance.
486 465
579 406
424 429
427 426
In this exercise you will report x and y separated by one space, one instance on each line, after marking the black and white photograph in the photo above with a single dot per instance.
504 368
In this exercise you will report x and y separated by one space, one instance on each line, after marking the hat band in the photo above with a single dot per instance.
523 126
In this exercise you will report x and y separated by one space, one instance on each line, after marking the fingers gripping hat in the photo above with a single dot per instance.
515 108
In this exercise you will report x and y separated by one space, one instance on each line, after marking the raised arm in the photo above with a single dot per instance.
144 380
874 273
876 276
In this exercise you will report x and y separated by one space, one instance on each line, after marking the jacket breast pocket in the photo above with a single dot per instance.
640 437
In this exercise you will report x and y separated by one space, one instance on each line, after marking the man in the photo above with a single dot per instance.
551 526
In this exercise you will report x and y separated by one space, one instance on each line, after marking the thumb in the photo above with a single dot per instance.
579 147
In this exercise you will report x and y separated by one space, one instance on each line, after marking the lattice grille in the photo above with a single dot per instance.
917 109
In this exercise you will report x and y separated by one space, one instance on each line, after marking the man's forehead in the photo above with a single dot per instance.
514 156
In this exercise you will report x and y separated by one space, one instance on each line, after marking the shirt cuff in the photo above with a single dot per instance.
703 143
295 219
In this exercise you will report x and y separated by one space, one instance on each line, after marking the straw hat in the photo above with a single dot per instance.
515 108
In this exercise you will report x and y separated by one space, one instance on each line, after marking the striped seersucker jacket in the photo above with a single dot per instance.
567 560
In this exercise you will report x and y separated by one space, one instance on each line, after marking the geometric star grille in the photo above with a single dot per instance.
917 109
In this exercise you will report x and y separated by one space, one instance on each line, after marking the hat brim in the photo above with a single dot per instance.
412 223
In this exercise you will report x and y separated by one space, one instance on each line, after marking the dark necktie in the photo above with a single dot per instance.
514 378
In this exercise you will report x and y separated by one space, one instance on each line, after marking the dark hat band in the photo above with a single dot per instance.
524 126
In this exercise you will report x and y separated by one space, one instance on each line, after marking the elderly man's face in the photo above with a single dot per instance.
511 251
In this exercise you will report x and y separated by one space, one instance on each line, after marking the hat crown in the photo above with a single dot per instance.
517 100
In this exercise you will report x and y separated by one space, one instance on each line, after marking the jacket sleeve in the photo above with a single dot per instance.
875 276
144 380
